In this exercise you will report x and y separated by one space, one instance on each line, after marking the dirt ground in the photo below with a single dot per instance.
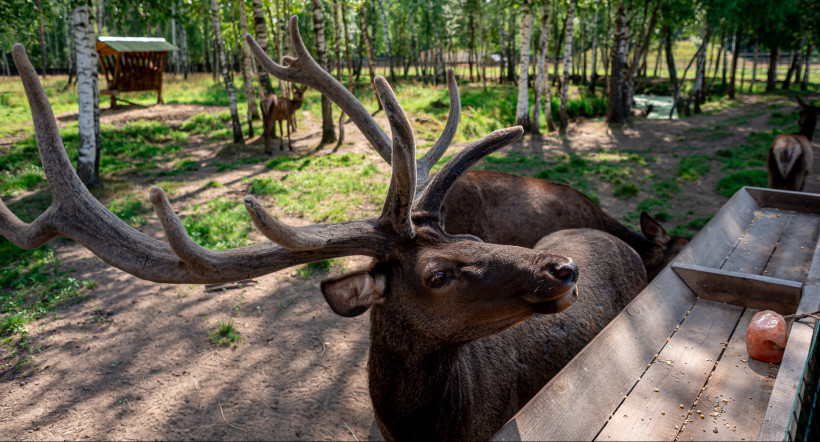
133 361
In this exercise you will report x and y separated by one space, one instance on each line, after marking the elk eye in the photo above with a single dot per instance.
437 279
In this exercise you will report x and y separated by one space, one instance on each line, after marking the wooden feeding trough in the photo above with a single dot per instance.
673 364
133 64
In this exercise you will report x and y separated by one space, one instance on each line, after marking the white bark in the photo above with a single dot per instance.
567 60
754 70
175 54
247 69
541 65
594 76
88 97
328 131
387 41
238 138
522 115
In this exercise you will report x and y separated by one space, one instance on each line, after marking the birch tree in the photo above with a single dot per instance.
261 34
562 113
542 70
337 48
88 97
615 110
238 138
328 131
371 64
594 78
247 67
43 53
387 41
522 116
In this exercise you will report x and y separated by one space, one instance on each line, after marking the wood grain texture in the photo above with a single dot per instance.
793 256
755 291
758 242
652 410
738 392
778 418
785 199
594 383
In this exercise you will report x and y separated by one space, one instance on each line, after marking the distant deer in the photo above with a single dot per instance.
457 342
278 109
791 156
498 207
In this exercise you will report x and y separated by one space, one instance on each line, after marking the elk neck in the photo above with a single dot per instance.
808 126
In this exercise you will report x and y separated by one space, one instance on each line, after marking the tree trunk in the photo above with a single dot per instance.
562 113
184 48
247 68
559 41
371 63
5 61
594 77
642 49
387 42
174 54
805 83
771 77
471 27
616 111
670 65
792 67
500 42
261 34
522 115
43 53
511 49
238 138
337 47
482 61
88 93
754 70
328 131
696 93
347 47
735 55
543 49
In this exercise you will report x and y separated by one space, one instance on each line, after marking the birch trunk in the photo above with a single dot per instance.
511 49
562 112
735 54
347 47
771 77
541 72
594 78
387 41
184 37
328 131
642 49
43 54
371 63
803 85
238 138
337 47
754 70
670 65
500 42
247 68
175 54
261 34
88 93
696 93
522 116
482 62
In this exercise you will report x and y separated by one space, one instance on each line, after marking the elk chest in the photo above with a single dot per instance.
673 364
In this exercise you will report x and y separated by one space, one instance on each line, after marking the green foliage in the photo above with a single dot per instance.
728 185
218 224
26 178
129 208
225 334
626 190
693 167
307 271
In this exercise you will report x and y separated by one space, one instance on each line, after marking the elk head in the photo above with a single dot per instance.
461 287
808 118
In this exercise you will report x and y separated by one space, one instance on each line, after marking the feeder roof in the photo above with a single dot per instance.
136 44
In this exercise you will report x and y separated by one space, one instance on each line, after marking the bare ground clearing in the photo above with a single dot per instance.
133 361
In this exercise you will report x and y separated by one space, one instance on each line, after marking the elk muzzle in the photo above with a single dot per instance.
556 289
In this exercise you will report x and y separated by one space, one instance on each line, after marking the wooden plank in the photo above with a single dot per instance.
814 270
720 235
594 383
779 410
759 292
793 256
785 199
652 411
758 242
738 392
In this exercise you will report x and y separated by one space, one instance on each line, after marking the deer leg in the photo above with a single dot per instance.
267 126
281 134
290 145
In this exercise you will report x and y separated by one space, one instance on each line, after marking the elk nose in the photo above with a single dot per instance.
566 272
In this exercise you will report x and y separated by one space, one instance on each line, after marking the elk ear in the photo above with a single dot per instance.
653 230
352 294
801 103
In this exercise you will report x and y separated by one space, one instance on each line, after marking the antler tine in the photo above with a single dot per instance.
364 233
403 180
190 252
305 70
425 163
428 206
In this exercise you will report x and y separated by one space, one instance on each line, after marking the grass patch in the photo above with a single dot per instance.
693 167
218 224
225 334
728 185
129 209
626 190
307 271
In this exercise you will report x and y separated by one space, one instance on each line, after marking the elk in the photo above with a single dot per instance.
277 109
496 207
791 157
463 332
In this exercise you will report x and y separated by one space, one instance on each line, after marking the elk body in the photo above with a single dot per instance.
791 157
276 109
434 294
502 208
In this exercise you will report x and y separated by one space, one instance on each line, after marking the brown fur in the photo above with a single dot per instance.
502 208
457 363
791 156
278 109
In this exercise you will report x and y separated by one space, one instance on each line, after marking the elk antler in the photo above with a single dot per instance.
305 70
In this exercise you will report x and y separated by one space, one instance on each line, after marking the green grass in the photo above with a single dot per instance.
728 185
225 333
218 224
307 271
693 167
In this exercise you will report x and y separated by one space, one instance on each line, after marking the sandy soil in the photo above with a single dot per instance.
133 361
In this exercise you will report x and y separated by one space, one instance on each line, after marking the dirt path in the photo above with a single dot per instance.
133 361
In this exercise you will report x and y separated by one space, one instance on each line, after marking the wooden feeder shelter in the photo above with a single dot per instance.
133 64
